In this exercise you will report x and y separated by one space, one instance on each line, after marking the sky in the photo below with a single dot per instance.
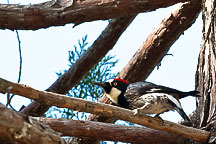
45 52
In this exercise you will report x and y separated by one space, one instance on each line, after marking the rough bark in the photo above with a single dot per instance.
16 128
206 71
77 71
52 13
101 109
108 132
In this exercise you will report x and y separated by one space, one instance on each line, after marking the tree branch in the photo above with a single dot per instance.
160 40
77 71
107 132
44 15
17 128
101 109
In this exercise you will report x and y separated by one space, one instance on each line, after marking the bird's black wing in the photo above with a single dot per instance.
147 87
137 89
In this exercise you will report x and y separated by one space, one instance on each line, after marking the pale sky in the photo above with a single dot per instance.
45 52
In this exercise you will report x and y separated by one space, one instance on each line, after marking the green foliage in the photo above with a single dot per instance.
85 89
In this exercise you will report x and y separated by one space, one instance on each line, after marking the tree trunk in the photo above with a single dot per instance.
206 71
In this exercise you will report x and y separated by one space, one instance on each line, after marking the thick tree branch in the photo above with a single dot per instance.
17 128
32 17
160 40
101 109
107 132
77 71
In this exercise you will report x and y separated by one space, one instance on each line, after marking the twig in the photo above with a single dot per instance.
20 56
8 96
20 70
9 99
159 64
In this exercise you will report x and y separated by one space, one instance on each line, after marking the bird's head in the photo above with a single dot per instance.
114 88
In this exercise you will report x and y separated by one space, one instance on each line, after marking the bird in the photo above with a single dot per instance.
145 97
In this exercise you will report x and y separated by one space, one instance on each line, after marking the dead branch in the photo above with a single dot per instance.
101 109
51 13
92 56
108 132
17 128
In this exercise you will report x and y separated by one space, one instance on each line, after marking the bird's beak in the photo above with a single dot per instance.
100 84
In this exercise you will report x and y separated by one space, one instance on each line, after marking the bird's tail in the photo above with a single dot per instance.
183 115
190 93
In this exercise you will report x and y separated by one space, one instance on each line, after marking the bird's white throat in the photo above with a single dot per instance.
113 95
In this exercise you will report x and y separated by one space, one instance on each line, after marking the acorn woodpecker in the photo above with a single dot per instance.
145 97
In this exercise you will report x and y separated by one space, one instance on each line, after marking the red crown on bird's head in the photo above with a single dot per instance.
124 81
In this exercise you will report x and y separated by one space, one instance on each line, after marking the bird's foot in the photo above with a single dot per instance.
158 116
136 112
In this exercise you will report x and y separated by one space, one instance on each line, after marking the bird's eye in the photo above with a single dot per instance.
115 83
